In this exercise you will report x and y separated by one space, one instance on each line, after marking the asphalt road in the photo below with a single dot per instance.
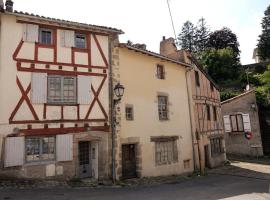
211 187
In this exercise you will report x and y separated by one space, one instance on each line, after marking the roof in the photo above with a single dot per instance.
150 53
194 60
64 22
237 97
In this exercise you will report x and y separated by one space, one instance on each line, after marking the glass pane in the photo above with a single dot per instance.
240 123
234 123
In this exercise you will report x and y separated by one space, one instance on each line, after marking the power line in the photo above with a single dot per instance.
171 19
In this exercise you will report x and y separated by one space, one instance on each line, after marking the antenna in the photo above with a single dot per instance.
171 19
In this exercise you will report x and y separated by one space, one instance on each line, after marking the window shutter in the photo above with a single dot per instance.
67 38
39 88
30 33
14 151
84 89
246 121
64 147
227 123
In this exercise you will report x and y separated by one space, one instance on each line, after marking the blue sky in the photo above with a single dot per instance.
146 21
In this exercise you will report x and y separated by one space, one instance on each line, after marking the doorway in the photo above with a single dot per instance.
129 161
206 156
84 159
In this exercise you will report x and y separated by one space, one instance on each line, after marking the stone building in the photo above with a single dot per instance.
207 123
54 96
241 115
153 135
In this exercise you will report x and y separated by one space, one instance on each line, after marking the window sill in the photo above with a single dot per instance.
35 163
62 104
237 133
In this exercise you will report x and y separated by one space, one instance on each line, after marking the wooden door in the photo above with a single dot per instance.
129 161
206 156
84 159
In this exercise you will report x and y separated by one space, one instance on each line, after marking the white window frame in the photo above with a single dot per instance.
166 152
41 149
62 100
163 108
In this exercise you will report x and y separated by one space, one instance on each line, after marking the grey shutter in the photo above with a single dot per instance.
246 121
227 123
84 89
64 147
39 88
67 38
14 151
30 32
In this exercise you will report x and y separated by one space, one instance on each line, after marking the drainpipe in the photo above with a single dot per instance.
190 117
112 112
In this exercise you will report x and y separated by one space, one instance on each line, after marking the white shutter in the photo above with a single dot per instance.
84 89
67 38
227 123
14 151
39 88
246 121
64 147
30 33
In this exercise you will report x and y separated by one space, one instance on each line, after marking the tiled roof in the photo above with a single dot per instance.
66 22
151 53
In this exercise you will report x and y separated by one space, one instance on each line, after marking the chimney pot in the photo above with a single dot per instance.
9 5
163 38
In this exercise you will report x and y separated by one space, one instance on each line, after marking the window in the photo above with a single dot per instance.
160 72
212 86
45 36
197 78
215 113
166 152
80 40
163 107
129 113
208 112
237 123
39 148
216 146
61 89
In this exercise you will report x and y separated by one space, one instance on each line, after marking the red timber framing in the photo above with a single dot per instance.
30 66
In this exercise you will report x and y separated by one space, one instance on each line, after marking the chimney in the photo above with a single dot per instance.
167 46
1 5
9 5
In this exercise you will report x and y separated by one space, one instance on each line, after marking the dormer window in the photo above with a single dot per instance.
80 40
160 72
45 36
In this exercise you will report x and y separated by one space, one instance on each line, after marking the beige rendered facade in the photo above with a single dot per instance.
153 139
54 97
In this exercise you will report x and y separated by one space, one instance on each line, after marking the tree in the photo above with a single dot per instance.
224 38
186 39
220 64
202 35
264 38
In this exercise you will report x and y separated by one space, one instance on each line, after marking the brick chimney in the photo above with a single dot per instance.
9 5
167 46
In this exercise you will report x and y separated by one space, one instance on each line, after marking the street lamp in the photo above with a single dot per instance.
118 92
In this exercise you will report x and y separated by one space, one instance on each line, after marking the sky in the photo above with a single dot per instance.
146 21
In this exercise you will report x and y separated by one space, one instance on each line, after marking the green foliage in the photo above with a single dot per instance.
224 95
202 33
220 64
224 38
264 38
186 39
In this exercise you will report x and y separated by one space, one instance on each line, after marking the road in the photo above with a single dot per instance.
212 187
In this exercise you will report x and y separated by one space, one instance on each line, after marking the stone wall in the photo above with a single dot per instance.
235 141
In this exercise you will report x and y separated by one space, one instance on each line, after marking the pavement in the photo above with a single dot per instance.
211 187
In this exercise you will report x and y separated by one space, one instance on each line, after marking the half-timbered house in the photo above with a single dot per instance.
207 120
54 96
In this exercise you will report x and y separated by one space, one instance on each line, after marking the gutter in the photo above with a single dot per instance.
190 118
